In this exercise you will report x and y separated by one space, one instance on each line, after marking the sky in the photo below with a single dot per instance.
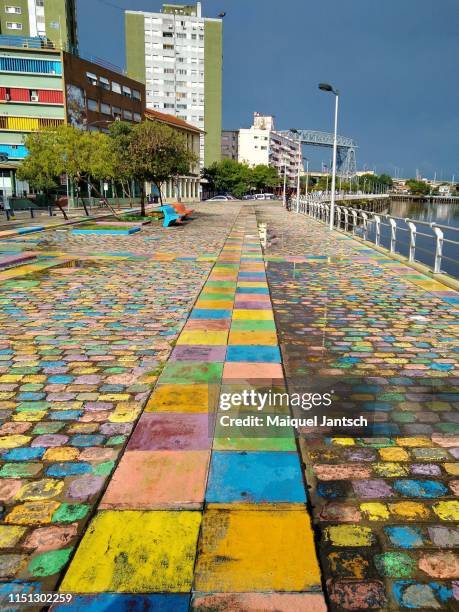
395 63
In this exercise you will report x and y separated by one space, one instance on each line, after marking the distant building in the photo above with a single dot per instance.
54 20
261 144
178 55
47 87
183 187
230 144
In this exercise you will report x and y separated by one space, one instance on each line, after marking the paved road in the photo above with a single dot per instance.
108 487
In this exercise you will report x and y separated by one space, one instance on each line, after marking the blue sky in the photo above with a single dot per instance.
394 61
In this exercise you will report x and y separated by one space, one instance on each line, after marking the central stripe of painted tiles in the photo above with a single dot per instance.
192 506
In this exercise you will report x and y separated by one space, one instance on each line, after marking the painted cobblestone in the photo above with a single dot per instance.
80 348
384 338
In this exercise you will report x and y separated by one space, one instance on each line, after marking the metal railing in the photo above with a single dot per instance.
410 237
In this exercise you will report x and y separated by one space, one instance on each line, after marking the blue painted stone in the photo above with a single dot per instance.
211 313
416 595
65 415
377 406
30 396
24 454
255 477
117 602
384 429
87 440
256 353
253 290
68 468
404 537
420 488
60 379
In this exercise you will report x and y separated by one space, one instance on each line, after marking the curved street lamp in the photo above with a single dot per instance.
328 88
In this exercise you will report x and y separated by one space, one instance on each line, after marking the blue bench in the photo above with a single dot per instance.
170 215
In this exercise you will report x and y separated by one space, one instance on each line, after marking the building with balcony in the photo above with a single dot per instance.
181 187
261 144
44 86
177 53
53 20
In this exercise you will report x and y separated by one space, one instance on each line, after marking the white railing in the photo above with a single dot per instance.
404 236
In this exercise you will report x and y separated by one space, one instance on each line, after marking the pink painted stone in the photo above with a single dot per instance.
357 595
51 538
257 371
171 431
342 513
158 479
369 489
98 406
50 440
85 487
96 453
444 565
341 471
60 397
87 379
14 428
260 602
198 353
9 488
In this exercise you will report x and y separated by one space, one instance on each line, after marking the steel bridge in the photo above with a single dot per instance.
345 155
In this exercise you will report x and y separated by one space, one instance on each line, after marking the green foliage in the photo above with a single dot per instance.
230 176
418 187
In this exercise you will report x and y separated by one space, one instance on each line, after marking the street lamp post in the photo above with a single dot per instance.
300 159
307 175
327 87
284 194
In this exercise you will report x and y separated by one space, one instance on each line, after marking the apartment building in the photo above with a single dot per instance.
186 187
177 53
44 87
53 20
262 144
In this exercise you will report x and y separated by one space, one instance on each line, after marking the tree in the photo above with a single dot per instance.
120 134
156 153
417 187
264 177
230 176
67 150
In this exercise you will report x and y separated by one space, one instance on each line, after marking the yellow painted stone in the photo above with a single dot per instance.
135 552
392 453
256 550
390 469
32 513
419 441
61 453
10 378
5 395
205 304
29 416
125 412
447 510
252 284
343 441
409 510
252 315
264 338
10 535
375 511
13 441
114 397
452 468
349 535
40 489
182 398
214 338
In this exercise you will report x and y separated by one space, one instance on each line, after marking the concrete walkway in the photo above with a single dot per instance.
141 500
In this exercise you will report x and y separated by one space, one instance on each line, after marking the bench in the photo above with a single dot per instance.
181 209
170 216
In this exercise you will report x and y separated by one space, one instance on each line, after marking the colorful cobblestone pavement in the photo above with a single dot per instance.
135 500
384 338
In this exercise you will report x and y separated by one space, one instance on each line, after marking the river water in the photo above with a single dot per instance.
442 214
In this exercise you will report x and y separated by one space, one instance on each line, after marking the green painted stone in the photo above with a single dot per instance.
20 470
31 387
403 417
31 406
191 372
395 565
116 440
242 325
449 428
49 563
68 513
103 469
47 428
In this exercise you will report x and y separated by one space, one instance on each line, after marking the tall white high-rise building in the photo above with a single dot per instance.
178 54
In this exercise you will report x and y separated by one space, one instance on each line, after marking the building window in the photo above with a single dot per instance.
13 10
116 87
127 91
105 108
167 105
12 25
136 94
137 117
104 83
168 47
127 114
93 105
167 35
168 71
116 111
92 78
